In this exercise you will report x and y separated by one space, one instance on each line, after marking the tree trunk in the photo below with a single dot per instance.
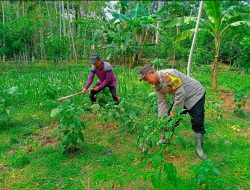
194 38
23 7
3 33
215 65
60 19
157 34
17 10
71 35
144 39
131 60
63 19
49 15
174 58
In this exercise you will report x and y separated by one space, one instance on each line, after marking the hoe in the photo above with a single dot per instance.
71 96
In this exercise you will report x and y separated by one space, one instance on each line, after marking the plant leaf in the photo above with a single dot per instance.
11 90
213 11
184 35
237 23
179 21
54 112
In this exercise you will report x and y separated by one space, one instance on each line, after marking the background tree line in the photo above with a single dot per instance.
124 32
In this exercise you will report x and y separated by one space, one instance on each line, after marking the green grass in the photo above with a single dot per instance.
110 157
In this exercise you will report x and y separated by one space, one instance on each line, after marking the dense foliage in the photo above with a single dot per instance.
125 32
44 48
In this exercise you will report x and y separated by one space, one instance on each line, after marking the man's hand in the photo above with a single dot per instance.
96 88
171 114
84 90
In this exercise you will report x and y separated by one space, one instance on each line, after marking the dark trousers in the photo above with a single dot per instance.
197 113
112 89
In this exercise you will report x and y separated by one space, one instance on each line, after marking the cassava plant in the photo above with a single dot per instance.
163 174
70 128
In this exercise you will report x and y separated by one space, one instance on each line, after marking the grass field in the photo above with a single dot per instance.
110 157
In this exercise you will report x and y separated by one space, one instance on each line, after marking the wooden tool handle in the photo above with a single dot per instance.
72 95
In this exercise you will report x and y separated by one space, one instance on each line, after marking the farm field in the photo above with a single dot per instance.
110 156
93 95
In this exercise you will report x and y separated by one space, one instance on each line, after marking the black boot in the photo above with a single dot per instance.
199 139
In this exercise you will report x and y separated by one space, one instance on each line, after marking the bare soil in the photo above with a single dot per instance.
228 99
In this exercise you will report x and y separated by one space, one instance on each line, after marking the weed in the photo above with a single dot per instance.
19 159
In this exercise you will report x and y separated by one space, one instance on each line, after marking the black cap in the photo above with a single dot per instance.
94 57
143 72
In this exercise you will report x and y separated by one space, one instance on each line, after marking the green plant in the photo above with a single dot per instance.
51 92
123 113
206 174
70 127
217 23
215 108
6 104
19 159
57 48
164 174
240 100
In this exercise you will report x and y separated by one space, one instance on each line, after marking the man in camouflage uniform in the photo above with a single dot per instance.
187 94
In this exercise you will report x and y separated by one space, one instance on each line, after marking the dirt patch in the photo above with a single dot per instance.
44 137
245 133
175 159
11 151
107 126
2 167
228 102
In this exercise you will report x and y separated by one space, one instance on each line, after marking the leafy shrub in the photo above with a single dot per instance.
19 159
215 108
206 174
51 92
158 63
243 59
70 127
124 113
6 105
240 99
57 48
152 51
164 174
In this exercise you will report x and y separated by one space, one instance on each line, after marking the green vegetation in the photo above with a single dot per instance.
70 127
6 104
110 156
45 144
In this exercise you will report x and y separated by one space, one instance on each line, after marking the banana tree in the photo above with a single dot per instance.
135 27
216 25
